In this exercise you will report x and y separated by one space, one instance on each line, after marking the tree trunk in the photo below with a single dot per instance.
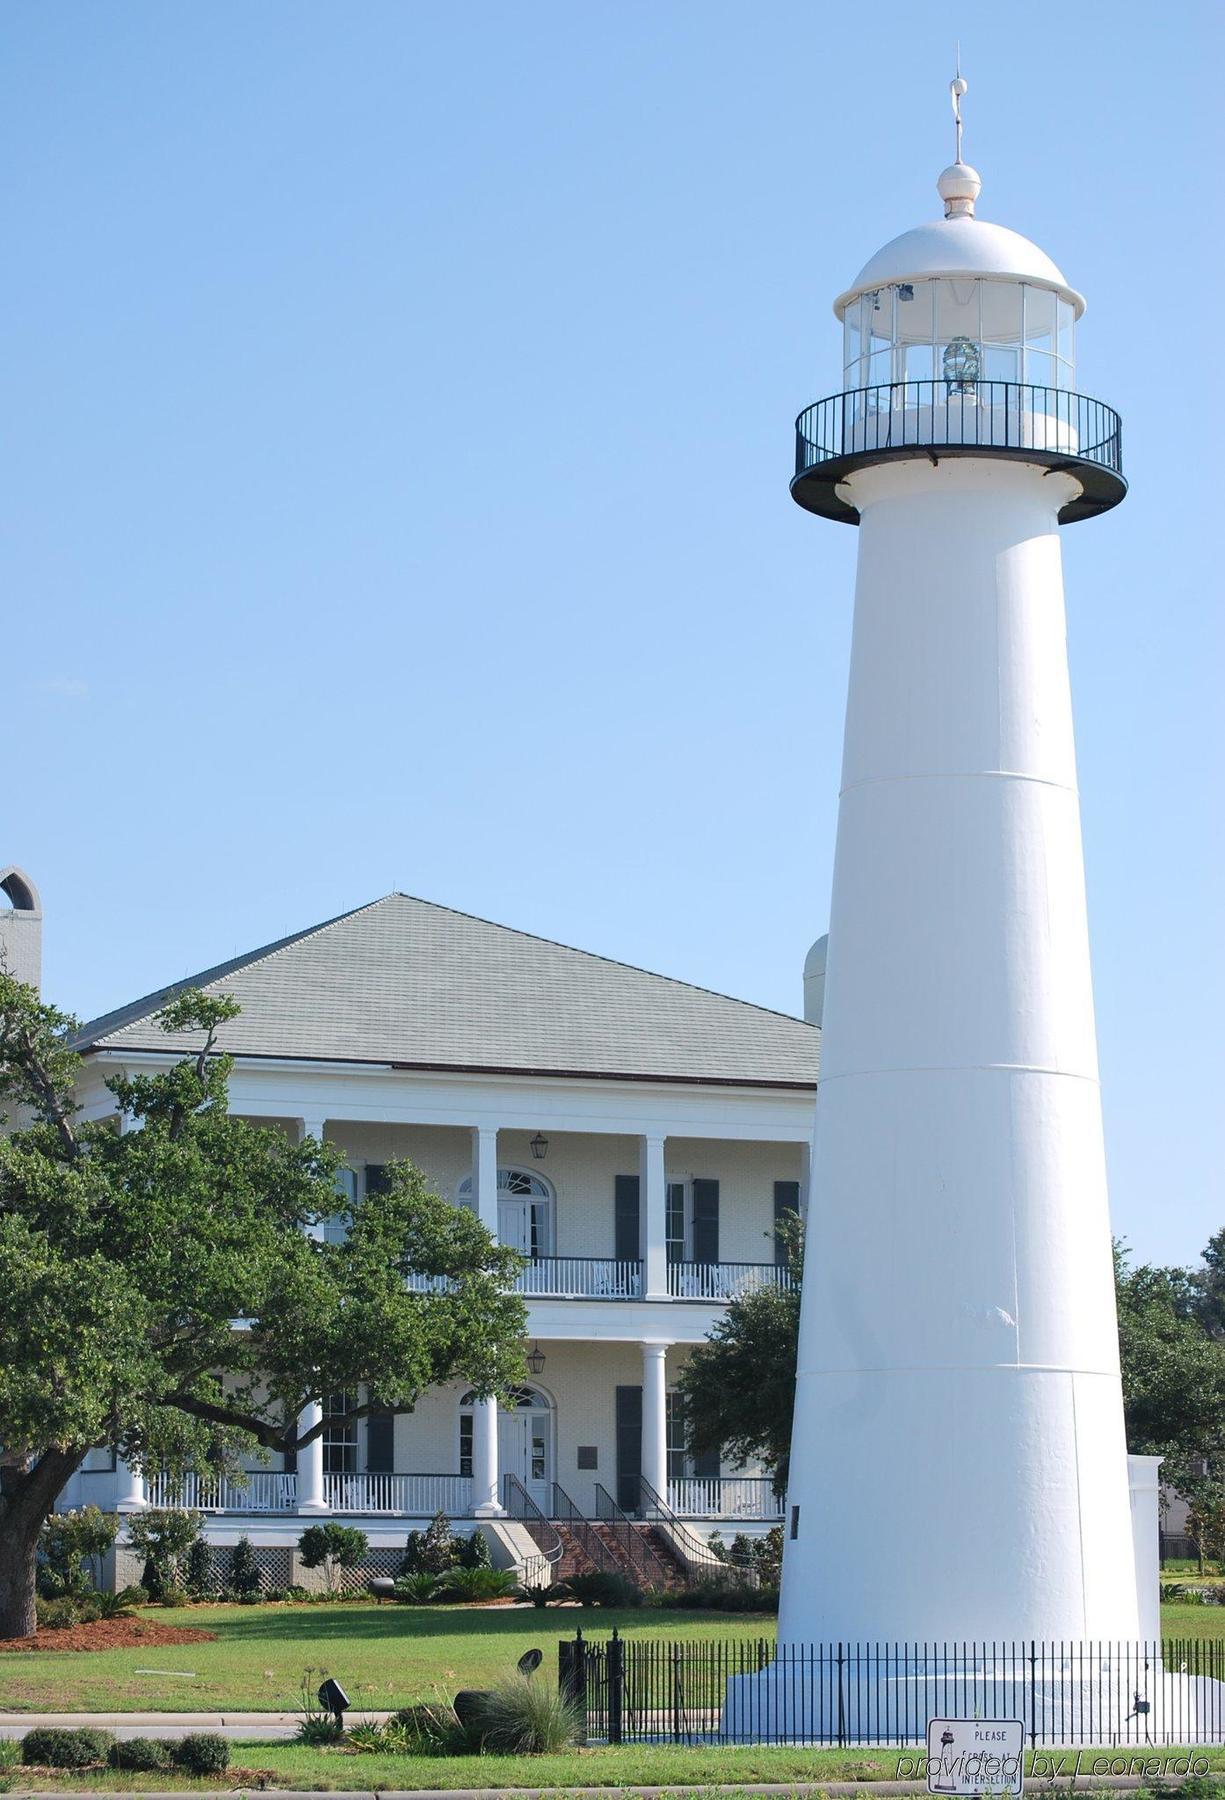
26 1497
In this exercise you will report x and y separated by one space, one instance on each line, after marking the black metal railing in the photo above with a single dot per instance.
1068 1694
584 1533
693 1552
643 1562
990 415
537 1571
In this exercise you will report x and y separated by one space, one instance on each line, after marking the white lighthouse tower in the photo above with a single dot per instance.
959 1467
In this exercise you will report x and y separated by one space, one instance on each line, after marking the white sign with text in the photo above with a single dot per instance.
975 1756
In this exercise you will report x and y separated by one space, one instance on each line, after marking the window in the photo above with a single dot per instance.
336 1228
340 1437
682 1466
465 1442
675 1229
691 1227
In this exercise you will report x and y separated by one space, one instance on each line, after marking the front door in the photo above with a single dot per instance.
525 1446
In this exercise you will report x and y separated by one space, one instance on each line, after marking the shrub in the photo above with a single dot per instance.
417 1590
54 1747
604 1587
67 1541
175 1596
719 1595
477 1584
433 1551
244 1569
332 1547
203 1753
523 1718
120 1605
164 1535
319 1728
474 1553
198 1571
141 1753
70 1609
542 1594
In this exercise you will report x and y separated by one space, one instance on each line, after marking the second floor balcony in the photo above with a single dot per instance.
611 1278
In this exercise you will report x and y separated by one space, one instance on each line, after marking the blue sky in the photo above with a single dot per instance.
397 408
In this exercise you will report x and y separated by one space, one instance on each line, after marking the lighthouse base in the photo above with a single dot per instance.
1067 1695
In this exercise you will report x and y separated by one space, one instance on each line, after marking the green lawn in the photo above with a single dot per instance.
675 1767
385 1656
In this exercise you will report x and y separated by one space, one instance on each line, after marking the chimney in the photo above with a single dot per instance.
21 927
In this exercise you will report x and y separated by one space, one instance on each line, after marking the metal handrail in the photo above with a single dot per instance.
699 1559
642 1556
584 1533
985 414
518 1503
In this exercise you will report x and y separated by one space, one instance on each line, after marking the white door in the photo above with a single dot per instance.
515 1223
525 1449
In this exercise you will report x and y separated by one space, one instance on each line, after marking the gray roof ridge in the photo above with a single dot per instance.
614 962
101 1027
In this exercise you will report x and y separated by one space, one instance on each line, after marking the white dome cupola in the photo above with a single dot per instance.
958 339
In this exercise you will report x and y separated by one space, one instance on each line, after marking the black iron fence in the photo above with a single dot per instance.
752 1690
1000 415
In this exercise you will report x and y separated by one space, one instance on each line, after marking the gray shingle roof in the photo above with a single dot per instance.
404 981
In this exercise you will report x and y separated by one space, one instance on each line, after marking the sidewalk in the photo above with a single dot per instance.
172 1724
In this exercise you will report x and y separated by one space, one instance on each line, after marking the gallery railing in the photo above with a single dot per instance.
1103 1695
725 1497
261 1491
724 1280
581 1278
419 1496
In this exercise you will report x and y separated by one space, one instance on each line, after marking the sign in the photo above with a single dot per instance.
975 1756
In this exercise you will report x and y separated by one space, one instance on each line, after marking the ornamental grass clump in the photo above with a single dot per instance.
522 1717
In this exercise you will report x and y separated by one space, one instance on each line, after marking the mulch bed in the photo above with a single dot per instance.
108 1634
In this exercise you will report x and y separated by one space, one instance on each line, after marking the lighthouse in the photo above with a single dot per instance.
959 1467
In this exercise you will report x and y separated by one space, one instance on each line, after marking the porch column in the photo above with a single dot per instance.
1144 1483
654 1212
485 1175
486 1479
312 1126
132 1491
655 1416
310 1461
805 1178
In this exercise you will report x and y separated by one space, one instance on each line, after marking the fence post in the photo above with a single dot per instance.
1033 1696
841 1704
572 1675
616 1686
676 1692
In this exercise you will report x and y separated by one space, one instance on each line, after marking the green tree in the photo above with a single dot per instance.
1173 1368
127 1256
68 1541
165 1537
738 1388
332 1547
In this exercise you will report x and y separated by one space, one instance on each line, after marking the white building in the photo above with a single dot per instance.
633 1136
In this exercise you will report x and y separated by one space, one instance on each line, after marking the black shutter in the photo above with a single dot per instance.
629 1448
380 1443
627 1239
377 1181
786 1200
705 1221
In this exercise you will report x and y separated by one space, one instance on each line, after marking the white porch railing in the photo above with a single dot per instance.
560 1278
262 1491
417 1495
725 1497
581 1278
723 1280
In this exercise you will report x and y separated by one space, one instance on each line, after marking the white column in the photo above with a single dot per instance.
133 1494
655 1416
310 1461
485 1476
653 1211
485 1176
805 1178
1144 1486
312 1126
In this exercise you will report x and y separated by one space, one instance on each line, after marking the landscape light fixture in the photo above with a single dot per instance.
539 1146
333 1699
535 1359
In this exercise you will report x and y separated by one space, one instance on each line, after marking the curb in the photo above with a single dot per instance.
836 1790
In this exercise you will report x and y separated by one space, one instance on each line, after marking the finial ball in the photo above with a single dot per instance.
958 86
959 187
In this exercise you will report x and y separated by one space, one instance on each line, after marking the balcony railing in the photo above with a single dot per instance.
723 1280
419 1496
1023 420
561 1278
724 1497
581 1278
262 1491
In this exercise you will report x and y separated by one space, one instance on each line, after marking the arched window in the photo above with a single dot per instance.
525 1210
